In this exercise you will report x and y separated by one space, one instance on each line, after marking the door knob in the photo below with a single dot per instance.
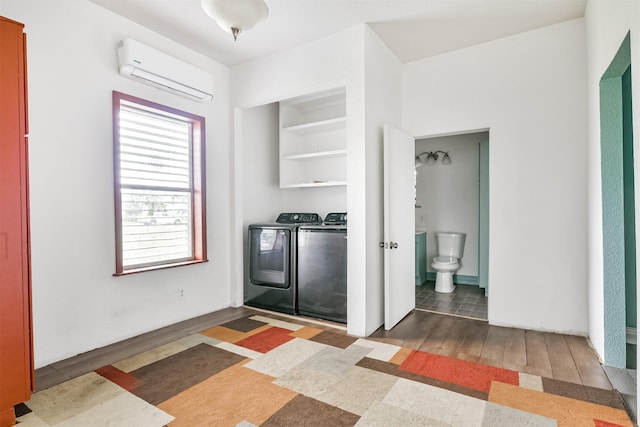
390 245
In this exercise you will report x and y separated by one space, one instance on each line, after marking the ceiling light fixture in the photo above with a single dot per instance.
236 16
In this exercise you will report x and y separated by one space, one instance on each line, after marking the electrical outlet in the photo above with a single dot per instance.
180 294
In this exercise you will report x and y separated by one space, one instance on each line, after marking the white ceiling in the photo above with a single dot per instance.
412 29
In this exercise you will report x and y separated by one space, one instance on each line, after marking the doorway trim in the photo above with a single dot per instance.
483 216
482 277
614 228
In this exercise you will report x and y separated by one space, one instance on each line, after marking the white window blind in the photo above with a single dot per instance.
156 187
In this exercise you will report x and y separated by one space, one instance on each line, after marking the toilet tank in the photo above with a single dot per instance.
450 243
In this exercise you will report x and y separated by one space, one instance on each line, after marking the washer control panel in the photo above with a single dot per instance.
298 218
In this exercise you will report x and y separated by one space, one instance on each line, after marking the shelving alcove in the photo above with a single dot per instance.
313 143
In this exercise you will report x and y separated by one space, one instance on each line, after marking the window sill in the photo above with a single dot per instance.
160 267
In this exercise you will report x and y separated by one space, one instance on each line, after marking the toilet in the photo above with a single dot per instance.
450 249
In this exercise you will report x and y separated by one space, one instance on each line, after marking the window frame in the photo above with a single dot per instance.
198 184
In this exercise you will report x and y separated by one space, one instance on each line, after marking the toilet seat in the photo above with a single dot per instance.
445 266
445 260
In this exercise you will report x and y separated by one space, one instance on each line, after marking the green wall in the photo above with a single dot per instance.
618 225
483 238
629 201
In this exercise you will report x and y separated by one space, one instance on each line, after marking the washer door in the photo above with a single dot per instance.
269 257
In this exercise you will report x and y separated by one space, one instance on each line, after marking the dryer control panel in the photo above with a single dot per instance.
336 218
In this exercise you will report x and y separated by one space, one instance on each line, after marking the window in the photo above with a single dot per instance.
159 177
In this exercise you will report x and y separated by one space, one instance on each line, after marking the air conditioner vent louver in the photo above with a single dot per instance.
158 69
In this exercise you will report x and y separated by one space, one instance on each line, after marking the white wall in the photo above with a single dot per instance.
263 198
321 200
77 304
294 72
383 104
448 195
261 193
607 23
337 59
529 90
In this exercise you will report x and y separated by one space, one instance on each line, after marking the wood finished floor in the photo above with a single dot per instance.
561 357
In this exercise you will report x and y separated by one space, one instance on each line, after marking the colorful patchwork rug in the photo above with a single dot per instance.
258 371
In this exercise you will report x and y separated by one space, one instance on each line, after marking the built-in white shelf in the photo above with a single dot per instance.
316 184
317 155
313 140
319 126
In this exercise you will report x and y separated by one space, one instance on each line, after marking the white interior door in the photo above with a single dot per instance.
399 225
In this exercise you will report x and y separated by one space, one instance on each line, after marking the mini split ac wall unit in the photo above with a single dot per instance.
148 65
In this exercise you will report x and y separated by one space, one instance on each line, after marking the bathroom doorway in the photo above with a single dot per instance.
452 195
618 211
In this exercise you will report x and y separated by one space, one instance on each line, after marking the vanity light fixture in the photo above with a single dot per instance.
432 155
236 16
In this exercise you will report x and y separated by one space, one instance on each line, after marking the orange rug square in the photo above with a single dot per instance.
568 412
472 375
600 423
125 380
267 340
234 395
231 335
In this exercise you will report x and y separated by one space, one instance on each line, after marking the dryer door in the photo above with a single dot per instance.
269 257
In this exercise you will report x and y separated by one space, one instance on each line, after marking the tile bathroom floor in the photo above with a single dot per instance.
465 300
